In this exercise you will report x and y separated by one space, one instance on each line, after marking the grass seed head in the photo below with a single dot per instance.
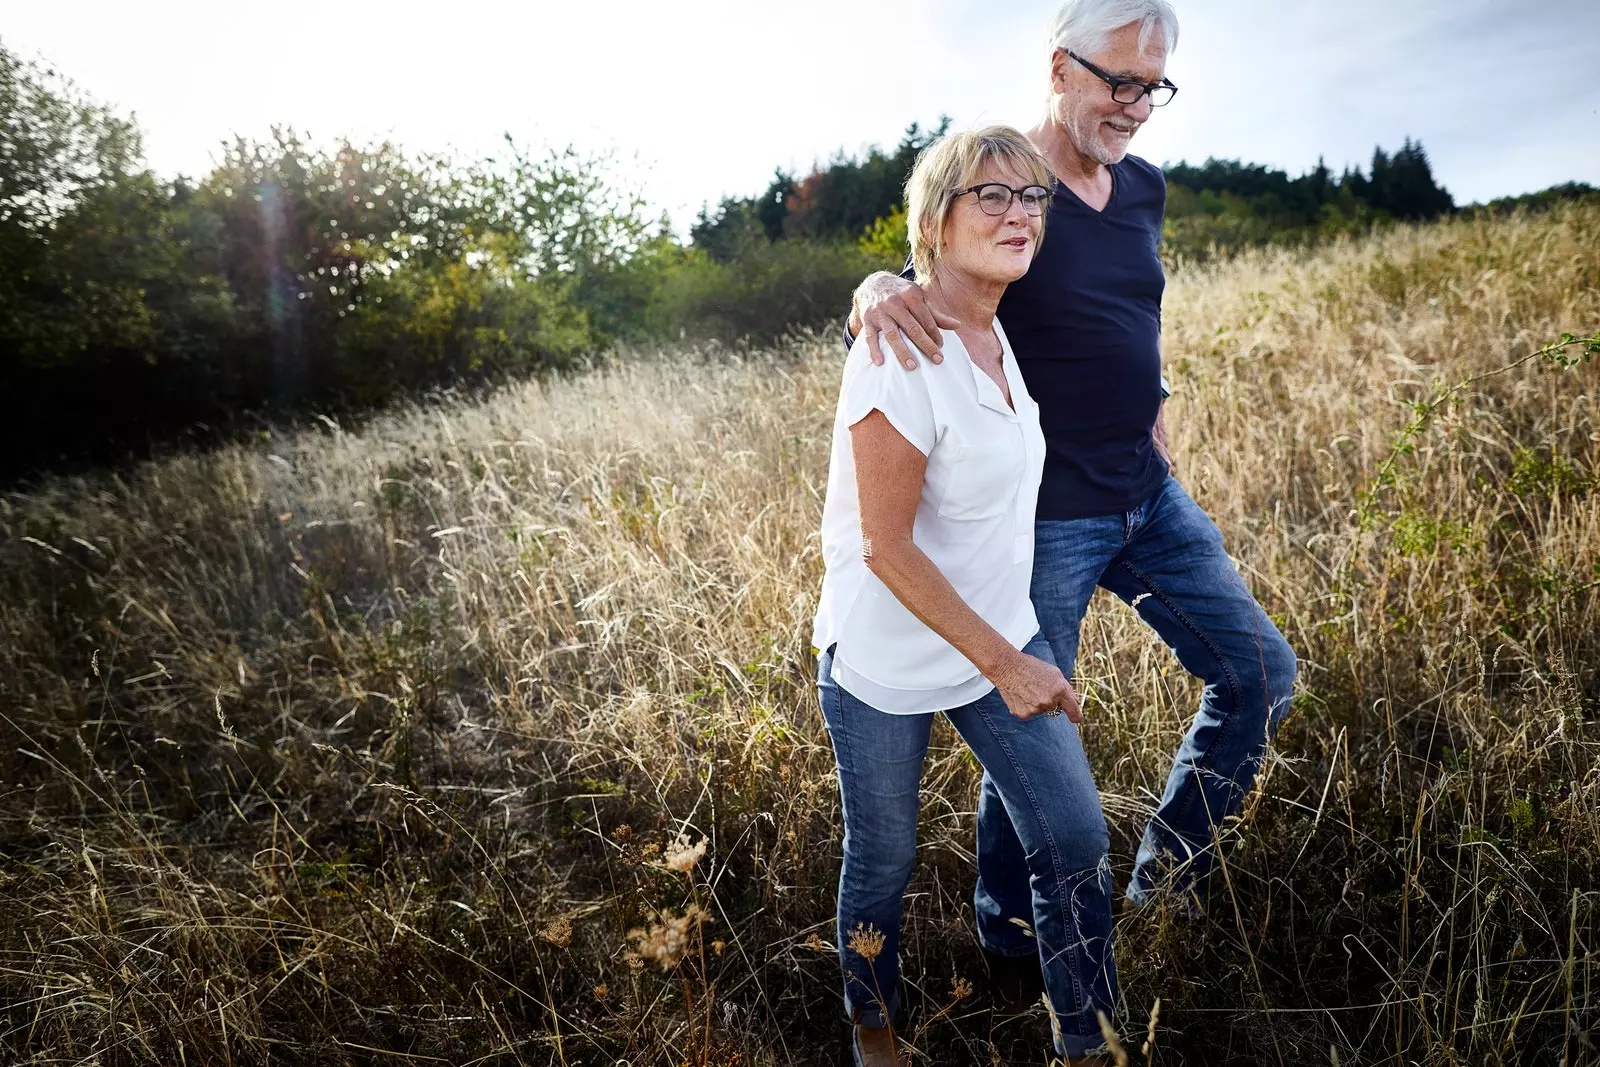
866 941
1150 1031
558 932
682 856
668 941
1119 1055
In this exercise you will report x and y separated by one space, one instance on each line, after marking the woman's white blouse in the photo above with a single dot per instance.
974 521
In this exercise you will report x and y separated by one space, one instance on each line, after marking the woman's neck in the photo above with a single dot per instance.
961 295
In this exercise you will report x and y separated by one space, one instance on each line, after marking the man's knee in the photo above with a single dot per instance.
1277 673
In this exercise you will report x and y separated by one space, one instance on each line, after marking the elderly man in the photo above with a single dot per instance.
1085 325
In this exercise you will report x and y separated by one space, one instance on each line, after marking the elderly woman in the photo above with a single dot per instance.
927 536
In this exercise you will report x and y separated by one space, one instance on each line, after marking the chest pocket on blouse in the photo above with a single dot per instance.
984 476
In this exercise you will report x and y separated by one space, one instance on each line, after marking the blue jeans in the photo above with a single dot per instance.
1042 850
1165 558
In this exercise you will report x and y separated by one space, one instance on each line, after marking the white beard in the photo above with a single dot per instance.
1092 144
1086 136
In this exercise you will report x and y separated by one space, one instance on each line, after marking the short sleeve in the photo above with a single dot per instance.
902 395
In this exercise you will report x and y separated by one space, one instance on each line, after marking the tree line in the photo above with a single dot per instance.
1224 204
137 311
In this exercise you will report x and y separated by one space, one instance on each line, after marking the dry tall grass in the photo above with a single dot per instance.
374 747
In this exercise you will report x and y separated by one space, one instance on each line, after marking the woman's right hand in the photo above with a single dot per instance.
888 304
1030 687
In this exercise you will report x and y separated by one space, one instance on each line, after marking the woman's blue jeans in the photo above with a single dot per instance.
1042 850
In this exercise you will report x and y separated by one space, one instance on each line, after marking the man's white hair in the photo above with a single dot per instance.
1082 26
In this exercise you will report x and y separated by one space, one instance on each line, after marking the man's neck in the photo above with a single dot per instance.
1083 174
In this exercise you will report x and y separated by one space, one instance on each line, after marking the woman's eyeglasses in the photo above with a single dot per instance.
995 198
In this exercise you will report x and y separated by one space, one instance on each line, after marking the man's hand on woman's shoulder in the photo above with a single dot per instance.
898 309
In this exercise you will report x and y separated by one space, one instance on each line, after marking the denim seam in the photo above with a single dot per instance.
1235 687
1070 927
891 1005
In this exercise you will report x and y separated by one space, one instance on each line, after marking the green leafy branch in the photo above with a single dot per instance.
1567 352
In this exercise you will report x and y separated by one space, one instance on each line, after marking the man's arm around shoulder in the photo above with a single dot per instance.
897 309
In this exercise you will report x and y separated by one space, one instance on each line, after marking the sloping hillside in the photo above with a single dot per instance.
368 748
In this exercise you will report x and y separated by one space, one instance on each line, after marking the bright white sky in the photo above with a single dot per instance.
707 97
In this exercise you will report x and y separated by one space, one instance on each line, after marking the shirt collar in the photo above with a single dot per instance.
989 394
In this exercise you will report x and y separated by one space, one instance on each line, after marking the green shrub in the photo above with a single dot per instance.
766 289
475 318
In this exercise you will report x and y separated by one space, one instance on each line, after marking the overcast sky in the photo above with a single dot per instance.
707 97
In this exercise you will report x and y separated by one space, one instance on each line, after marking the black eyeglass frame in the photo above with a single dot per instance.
1016 194
1116 83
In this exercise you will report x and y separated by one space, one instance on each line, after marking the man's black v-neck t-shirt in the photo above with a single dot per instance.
1085 324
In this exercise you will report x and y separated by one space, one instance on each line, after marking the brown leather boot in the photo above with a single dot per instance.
874 1046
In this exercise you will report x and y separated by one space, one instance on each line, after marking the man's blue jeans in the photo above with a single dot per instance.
1165 558
1042 846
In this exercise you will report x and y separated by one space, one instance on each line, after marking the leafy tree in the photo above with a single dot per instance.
738 221
768 290
887 238
80 223
289 279
56 145
103 313
466 319
575 232
772 208
837 202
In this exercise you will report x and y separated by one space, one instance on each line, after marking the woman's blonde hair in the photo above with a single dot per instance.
952 164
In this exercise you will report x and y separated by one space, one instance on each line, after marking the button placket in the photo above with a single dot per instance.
1021 539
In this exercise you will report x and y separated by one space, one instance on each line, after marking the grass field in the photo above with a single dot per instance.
373 747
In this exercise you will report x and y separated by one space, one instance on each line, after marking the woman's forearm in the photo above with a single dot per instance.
889 477
918 584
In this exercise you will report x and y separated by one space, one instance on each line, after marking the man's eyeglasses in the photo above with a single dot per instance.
1127 91
995 198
